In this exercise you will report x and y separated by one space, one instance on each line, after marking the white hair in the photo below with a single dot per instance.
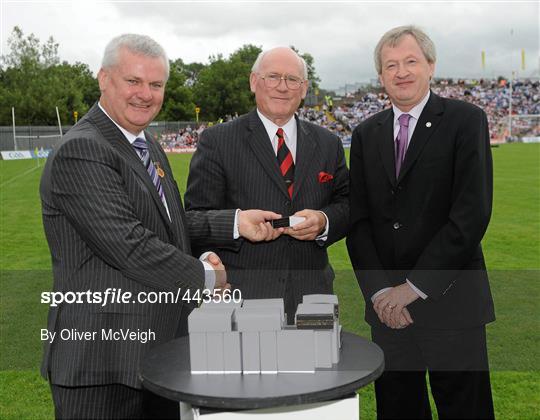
138 44
257 63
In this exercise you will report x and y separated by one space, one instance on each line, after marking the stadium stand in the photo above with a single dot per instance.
347 113
492 96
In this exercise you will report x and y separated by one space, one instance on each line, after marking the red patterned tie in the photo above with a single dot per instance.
285 161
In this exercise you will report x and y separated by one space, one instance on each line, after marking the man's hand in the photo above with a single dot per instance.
221 275
405 318
254 226
310 228
390 306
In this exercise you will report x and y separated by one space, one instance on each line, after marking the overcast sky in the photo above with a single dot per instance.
341 36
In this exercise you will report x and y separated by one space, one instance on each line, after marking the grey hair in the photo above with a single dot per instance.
135 43
257 63
392 38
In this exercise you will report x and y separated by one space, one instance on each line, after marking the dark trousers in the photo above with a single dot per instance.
114 401
457 364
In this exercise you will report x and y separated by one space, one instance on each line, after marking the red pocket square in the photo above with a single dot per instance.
325 177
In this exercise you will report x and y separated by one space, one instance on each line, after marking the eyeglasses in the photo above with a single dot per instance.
273 80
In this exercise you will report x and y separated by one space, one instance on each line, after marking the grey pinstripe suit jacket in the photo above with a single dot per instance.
107 228
235 167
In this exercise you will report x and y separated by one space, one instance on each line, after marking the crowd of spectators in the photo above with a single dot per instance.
493 98
183 138
491 95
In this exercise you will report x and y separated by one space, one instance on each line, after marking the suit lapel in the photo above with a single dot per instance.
262 148
174 201
117 140
176 223
305 148
427 123
385 135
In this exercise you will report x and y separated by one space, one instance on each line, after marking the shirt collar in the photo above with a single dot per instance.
415 111
129 136
271 128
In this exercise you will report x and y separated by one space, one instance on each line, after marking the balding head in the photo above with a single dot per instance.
279 81
283 51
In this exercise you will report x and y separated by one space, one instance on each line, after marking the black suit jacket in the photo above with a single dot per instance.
427 224
107 228
235 167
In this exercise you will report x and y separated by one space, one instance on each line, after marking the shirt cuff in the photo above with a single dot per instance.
417 290
379 293
236 232
209 273
324 236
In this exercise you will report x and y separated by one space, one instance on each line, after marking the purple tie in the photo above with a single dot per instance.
401 140
141 147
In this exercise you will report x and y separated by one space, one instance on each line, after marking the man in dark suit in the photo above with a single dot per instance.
114 222
421 194
269 159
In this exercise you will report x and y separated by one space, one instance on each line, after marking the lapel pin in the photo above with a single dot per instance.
428 124
159 170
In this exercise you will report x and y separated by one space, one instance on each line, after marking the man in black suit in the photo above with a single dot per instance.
114 222
420 202
269 159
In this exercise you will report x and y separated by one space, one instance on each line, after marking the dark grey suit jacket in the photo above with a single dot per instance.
235 167
427 224
107 228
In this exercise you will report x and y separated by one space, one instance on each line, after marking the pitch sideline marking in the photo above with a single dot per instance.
3 184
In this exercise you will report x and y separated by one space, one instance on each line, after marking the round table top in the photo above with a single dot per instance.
166 371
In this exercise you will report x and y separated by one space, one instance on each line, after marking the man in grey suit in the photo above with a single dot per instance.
118 238
269 159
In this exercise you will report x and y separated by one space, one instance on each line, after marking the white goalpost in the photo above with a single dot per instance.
34 140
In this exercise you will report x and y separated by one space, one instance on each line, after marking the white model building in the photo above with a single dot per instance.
251 337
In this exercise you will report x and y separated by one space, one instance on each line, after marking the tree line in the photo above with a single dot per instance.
34 80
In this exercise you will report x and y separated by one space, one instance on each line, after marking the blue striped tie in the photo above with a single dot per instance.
141 147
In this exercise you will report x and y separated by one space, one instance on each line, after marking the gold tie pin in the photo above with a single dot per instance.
159 169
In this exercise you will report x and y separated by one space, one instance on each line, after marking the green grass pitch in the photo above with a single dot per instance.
511 245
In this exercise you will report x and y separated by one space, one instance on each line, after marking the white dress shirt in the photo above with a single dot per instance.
290 136
131 138
415 115
289 128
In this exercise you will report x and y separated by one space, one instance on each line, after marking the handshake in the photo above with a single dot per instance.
256 226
